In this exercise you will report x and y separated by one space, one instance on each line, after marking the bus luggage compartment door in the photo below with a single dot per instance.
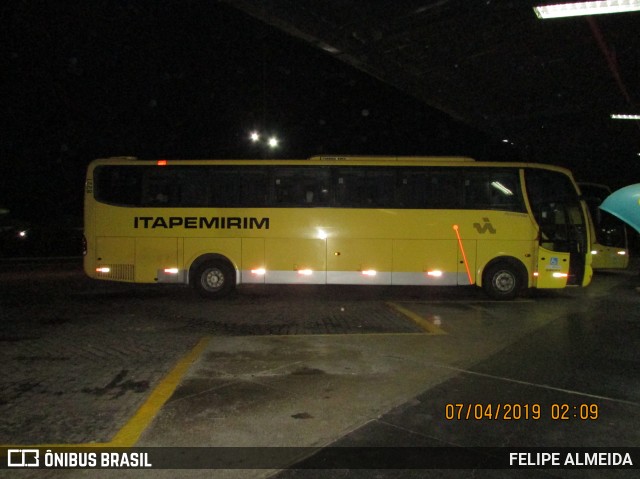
359 261
426 262
290 261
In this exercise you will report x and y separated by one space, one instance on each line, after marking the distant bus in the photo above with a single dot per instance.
215 224
609 249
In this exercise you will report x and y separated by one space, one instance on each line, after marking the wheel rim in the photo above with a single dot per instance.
212 279
504 281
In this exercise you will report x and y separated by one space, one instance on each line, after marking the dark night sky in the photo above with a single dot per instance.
183 79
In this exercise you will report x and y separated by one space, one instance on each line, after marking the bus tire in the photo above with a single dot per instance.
214 279
502 280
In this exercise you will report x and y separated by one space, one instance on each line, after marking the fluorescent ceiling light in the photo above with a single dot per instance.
617 116
500 187
586 8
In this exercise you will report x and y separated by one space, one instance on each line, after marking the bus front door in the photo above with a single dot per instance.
563 244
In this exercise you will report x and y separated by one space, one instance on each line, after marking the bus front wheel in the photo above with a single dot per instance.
502 281
214 279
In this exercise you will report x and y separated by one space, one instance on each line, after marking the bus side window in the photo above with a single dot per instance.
611 231
444 190
118 185
288 187
194 189
411 190
238 187
225 187
174 187
254 187
301 186
476 192
493 190
156 188
365 188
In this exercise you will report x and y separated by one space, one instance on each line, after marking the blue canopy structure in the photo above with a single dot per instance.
625 204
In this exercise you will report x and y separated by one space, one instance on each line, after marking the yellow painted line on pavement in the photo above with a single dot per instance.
423 323
131 432
133 429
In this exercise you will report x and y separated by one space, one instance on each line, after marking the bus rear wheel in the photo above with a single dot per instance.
502 281
214 279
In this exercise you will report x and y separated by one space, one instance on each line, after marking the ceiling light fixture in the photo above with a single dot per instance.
624 116
586 8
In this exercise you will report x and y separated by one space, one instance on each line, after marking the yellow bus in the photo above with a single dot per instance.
609 249
216 224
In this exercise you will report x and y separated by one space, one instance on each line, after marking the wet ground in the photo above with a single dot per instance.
95 363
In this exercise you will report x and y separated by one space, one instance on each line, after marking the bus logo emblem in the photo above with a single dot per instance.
487 226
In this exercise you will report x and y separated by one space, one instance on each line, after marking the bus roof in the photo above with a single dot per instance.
421 159
331 160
